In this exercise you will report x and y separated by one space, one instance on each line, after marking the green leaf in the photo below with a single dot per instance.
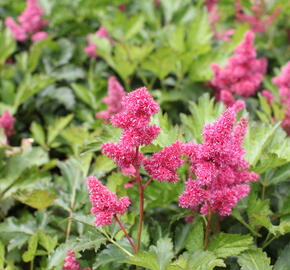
31 85
144 259
202 112
225 245
205 260
38 199
35 53
112 254
168 133
257 139
29 255
46 241
283 260
2 255
56 128
85 95
254 259
7 45
282 174
38 133
133 26
163 251
259 212
199 33
104 164
194 240
161 62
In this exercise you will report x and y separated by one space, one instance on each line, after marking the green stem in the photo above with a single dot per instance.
208 227
141 201
116 244
266 243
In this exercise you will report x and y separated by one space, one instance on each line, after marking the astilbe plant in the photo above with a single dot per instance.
242 74
30 23
283 83
218 165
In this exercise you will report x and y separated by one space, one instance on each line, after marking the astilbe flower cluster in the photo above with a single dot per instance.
219 166
105 204
214 18
91 49
113 100
162 166
257 20
138 107
242 74
283 83
30 23
71 263
7 123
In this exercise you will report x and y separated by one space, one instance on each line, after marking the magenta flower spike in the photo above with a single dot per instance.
113 100
242 74
105 204
219 166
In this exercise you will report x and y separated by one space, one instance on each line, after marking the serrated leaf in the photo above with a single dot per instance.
225 245
163 251
254 259
259 212
256 140
195 238
111 254
144 259
46 241
283 260
204 260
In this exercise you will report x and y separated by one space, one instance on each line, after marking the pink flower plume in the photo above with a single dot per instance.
219 166
105 204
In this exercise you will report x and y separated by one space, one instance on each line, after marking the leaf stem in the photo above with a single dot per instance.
208 227
116 244
148 182
141 200
125 232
